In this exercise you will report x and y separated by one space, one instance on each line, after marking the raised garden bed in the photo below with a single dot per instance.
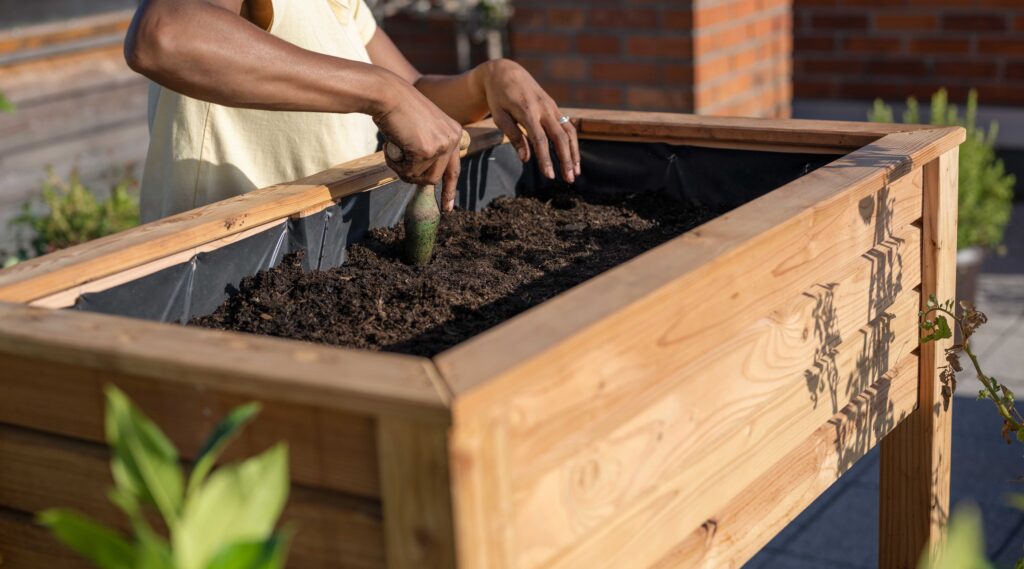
675 410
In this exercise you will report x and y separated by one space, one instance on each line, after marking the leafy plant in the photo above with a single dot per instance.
222 519
964 547
986 190
6 106
75 215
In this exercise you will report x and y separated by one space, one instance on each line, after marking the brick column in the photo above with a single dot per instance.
716 57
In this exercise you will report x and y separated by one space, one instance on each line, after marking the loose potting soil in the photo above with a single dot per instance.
488 266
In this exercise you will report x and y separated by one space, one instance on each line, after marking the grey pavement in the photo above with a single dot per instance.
840 529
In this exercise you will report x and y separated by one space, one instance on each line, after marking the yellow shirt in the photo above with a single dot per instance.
200 152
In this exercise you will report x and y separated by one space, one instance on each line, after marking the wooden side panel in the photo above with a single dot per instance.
39 471
417 505
738 531
657 415
916 457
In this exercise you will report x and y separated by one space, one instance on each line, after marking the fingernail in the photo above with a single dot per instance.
449 205
577 168
569 177
549 172
522 155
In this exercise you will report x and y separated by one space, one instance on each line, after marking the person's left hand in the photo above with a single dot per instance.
514 98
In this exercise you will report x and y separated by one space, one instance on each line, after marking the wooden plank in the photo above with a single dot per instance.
674 464
67 298
415 484
328 449
737 532
725 130
40 471
368 383
26 545
59 271
570 363
915 459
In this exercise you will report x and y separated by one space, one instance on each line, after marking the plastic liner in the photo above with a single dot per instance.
716 178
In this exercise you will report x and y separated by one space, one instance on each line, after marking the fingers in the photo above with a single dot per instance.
574 146
563 146
510 128
450 181
538 139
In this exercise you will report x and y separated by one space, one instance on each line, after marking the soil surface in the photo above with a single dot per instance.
488 266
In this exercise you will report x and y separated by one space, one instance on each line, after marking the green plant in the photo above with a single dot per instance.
5 105
986 190
964 547
75 215
934 323
222 519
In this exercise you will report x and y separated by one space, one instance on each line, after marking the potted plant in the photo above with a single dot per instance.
986 190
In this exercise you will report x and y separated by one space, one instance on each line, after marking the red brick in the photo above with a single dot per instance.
559 90
677 19
967 69
626 72
1018 24
598 44
905 22
813 89
926 46
1015 70
1001 94
830 66
534 64
1001 46
536 42
525 17
598 96
974 22
804 43
611 18
669 47
900 67
566 17
849 21
655 99
567 68
678 73
871 45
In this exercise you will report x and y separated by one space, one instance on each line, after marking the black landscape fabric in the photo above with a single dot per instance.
717 179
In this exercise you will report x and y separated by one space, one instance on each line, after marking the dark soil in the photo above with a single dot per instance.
487 267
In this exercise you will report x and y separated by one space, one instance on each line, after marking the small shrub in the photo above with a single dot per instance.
986 190
74 215
5 105
215 519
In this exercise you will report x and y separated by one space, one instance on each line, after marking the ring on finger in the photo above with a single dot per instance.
564 119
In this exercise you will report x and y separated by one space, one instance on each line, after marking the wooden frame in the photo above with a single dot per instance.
676 411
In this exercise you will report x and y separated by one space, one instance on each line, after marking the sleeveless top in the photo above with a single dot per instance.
200 152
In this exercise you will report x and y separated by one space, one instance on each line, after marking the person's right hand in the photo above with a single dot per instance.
428 138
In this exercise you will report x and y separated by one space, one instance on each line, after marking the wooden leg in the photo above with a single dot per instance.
916 457
413 458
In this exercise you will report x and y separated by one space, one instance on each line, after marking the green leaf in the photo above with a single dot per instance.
6 106
268 554
221 436
964 547
144 462
238 503
1017 501
102 546
941 331
1020 435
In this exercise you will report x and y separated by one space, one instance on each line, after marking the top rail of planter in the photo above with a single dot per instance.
75 266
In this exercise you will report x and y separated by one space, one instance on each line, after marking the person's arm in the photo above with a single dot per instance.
502 88
206 50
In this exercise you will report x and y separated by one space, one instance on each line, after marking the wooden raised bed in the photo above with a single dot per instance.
676 411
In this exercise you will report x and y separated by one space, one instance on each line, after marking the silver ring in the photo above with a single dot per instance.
563 119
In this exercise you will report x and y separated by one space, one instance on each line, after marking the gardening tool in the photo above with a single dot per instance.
422 215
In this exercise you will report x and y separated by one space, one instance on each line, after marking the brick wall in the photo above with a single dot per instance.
429 43
862 49
721 57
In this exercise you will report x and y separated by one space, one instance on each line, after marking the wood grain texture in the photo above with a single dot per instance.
26 545
915 458
415 483
615 433
40 471
367 383
728 131
737 532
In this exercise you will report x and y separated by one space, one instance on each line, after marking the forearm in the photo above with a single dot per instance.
461 97
244 66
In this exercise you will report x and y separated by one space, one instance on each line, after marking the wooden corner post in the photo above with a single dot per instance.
915 457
